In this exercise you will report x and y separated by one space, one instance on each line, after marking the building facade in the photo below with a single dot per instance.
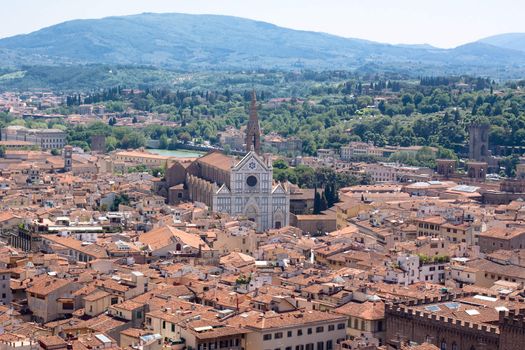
253 194
43 138
479 142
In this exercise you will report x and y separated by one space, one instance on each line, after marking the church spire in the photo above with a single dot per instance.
253 133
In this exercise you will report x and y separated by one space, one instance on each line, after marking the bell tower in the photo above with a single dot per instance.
253 132
68 158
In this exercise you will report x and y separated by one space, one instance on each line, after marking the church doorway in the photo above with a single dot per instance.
251 214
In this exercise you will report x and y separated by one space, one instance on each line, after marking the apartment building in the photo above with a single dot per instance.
50 298
356 150
297 330
44 138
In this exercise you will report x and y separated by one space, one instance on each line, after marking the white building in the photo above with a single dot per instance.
410 269
356 150
253 194
43 138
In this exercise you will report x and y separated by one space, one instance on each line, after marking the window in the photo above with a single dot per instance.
288 348
267 337
173 327
278 335
310 346
163 324
320 345
319 329
309 332
251 181
299 332
341 326
289 334
331 327
443 345
379 326
329 345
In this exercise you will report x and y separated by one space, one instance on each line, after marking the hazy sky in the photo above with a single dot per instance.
443 23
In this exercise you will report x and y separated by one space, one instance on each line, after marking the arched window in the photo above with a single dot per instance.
443 345
178 247
483 150
454 346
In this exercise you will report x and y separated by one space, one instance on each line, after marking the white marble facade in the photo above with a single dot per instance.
254 195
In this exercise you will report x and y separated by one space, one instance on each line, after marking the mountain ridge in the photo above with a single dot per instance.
514 41
191 42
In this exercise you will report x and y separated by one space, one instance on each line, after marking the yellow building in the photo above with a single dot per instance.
348 209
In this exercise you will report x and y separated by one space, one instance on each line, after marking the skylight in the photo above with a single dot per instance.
432 308
452 305
485 298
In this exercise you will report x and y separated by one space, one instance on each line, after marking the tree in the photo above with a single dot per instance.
133 139
406 99
510 164
381 106
119 199
163 142
317 202
445 153
280 164
324 204
331 194
185 137
111 143
418 97
158 172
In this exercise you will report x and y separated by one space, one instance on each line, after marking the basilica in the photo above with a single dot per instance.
240 187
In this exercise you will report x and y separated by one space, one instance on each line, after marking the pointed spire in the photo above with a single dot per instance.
253 133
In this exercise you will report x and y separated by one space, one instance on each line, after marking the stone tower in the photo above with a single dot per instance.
253 132
68 158
479 142
98 143
446 167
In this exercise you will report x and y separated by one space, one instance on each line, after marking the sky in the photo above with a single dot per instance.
442 23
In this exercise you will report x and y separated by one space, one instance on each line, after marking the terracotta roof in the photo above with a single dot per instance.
93 250
98 294
47 284
367 310
218 160
272 320
503 233
163 236
51 341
